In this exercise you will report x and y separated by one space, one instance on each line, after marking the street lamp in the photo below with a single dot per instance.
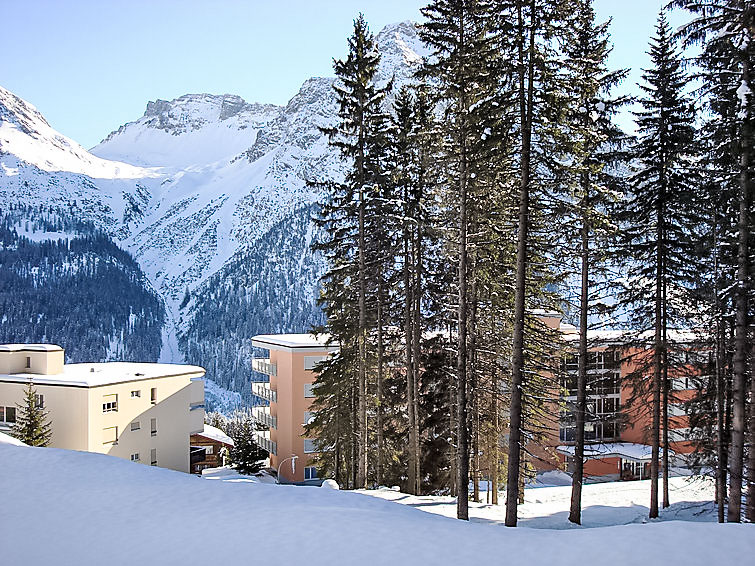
293 458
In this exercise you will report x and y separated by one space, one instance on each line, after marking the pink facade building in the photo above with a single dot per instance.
288 364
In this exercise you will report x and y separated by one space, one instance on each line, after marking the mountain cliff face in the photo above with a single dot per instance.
211 196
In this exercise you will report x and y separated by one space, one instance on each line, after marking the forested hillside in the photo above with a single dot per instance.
63 281
267 288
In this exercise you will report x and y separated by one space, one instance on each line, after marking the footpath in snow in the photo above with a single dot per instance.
64 507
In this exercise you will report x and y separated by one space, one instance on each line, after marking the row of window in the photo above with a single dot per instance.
110 433
110 401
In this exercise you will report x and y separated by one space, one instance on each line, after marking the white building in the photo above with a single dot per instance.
142 412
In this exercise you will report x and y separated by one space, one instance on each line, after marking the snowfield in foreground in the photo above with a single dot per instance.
65 507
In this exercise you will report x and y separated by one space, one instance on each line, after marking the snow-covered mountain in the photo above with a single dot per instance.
211 196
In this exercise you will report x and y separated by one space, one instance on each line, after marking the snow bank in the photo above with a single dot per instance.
8 439
93 507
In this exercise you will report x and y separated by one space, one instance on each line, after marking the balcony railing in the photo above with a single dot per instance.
265 418
263 365
266 444
263 390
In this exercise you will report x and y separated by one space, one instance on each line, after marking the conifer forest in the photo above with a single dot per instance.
497 192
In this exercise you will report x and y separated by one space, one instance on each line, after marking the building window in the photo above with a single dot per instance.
208 449
153 427
311 361
109 403
110 435
153 395
135 457
135 394
310 473
309 446
135 426
153 457
308 393
39 401
309 417
8 415
28 362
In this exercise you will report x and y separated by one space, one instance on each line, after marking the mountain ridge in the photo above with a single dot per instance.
213 198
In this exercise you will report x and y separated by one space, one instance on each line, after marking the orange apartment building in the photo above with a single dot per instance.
617 434
288 367
617 438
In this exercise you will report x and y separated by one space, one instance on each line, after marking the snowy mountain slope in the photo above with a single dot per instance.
216 203
73 498
26 134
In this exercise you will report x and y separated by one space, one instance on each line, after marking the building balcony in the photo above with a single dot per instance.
264 391
265 443
264 366
265 418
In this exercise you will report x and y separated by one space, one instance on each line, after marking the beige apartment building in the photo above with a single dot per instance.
142 412
289 365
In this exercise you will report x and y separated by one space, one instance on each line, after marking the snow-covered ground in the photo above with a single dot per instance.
64 507
603 504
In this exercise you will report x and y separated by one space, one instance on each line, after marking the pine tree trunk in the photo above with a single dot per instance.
380 362
751 460
720 385
472 378
408 338
575 512
362 417
517 378
495 455
417 343
741 330
665 392
657 371
462 483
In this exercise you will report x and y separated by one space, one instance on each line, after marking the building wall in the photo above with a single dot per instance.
67 410
289 435
174 419
79 423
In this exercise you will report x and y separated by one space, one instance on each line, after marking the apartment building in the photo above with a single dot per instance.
617 432
287 369
142 412
617 436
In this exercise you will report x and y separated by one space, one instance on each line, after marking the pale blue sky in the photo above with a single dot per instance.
91 65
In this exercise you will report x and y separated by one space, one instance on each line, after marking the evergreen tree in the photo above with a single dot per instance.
352 218
32 426
593 145
726 30
465 68
660 210
246 455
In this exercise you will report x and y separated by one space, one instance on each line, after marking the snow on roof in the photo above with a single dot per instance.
625 450
107 373
30 347
216 434
8 439
294 341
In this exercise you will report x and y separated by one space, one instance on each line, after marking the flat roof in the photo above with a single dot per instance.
105 373
312 342
30 348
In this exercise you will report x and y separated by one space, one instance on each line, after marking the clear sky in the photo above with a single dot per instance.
91 65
